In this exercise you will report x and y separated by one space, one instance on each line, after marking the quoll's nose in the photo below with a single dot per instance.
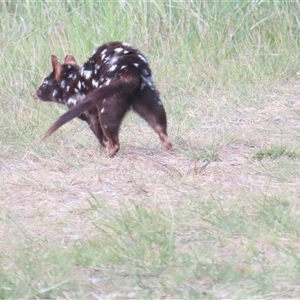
35 96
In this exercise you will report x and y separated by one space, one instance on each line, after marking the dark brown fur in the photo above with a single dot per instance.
115 78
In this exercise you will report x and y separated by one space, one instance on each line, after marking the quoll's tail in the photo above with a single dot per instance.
68 116
126 84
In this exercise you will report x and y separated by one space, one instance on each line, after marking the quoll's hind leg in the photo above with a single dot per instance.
111 116
92 118
148 105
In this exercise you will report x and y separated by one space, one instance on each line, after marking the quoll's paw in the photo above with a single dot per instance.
165 142
111 149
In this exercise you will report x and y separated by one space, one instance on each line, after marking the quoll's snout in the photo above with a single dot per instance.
35 96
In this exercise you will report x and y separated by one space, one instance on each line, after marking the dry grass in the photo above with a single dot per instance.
217 217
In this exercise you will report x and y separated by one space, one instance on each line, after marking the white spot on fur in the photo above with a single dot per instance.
72 101
123 67
143 58
62 84
95 83
72 75
46 81
79 85
107 81
113 59
112 68
136 65
68 88
95 71
126 51
103 55
87 74
75 99
119 50
145 72
54 93
159 102
148 80
102 110
126 44
97 66
76 90
105 126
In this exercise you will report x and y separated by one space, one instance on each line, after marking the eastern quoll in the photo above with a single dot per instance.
114 79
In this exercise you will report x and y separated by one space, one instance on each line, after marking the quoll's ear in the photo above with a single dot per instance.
69 59
56 67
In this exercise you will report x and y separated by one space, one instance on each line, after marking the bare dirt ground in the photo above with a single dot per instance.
48 195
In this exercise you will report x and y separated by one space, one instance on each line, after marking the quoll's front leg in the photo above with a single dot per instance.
92 118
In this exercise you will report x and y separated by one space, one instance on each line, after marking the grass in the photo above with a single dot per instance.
275 152
217 218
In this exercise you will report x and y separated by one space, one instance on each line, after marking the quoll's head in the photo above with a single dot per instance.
52 90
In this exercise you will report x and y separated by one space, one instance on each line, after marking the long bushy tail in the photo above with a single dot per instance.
122 86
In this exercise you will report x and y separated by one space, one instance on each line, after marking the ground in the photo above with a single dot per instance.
223 185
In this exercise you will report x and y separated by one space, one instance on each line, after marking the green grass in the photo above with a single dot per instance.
217 218
275 152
